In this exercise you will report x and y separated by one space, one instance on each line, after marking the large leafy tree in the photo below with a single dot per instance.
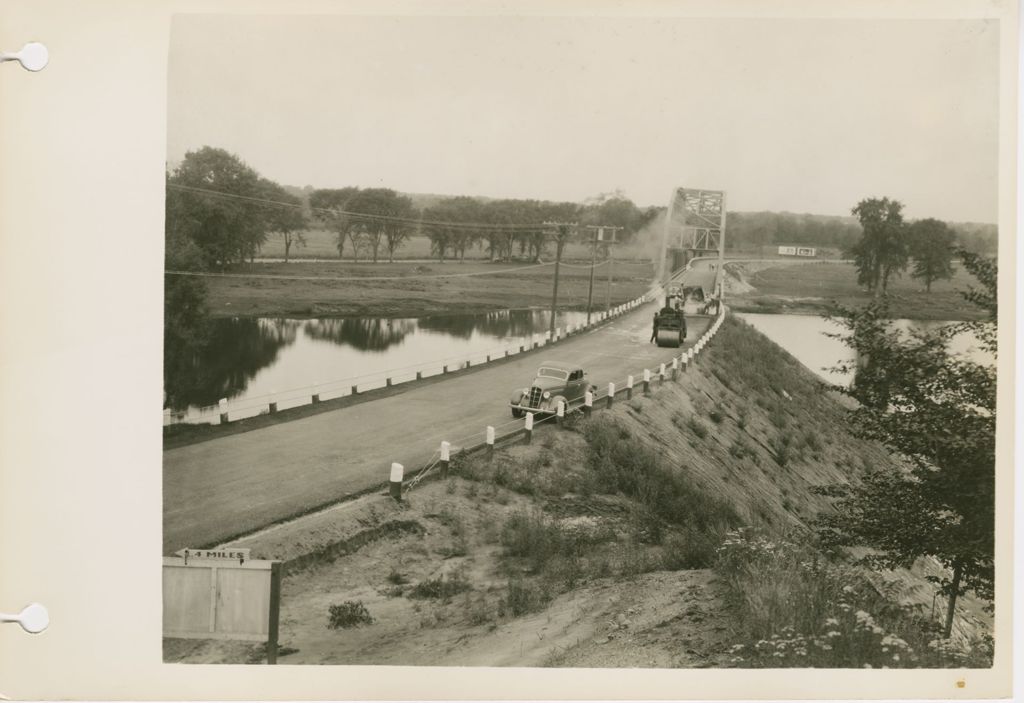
454 239
883 248
287 218
330 206
937 410
199 207
372 233
931 246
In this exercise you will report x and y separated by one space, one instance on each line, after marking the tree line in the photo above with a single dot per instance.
888 245
210 231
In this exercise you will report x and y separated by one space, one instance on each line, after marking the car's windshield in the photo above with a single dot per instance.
548 372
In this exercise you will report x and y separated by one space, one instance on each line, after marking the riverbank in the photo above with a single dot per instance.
414 289
810 289
601 544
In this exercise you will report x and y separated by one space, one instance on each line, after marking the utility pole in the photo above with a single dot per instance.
599 232
562 230
608 289
593 262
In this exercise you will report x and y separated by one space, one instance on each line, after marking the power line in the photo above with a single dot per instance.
208 274
498 228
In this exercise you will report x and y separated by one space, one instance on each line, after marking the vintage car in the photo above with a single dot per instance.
556 381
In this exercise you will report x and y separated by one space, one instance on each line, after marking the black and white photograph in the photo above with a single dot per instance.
582 341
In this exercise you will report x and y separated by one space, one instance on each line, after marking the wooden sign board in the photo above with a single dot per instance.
222 599
228 554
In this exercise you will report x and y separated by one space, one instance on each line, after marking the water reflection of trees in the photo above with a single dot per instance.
504 323
371 334
218 357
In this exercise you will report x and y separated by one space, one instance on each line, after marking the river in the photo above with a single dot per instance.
248 360
805 337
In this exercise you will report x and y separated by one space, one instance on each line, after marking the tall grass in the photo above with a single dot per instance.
620 463
799 609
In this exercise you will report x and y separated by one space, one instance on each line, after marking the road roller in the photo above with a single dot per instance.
671 327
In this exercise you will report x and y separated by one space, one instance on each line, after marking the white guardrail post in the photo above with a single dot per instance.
314 395
528 426
675 367
588 403
560 413
446 449
647 381
661 375
611 394
395 485
490 441
629 387
223 405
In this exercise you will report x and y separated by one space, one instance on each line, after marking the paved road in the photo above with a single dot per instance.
234 484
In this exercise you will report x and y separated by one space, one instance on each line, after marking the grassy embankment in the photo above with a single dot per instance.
809 288
414 293
669 531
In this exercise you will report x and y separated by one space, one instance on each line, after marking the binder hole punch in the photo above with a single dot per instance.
33 618
32 57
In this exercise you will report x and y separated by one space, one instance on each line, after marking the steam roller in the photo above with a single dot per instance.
671 328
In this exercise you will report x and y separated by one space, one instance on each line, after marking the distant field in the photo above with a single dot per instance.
809 288
321 244
416 290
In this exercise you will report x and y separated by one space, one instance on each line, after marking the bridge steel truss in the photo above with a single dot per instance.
694 226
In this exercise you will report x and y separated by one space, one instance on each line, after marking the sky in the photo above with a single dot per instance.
799 115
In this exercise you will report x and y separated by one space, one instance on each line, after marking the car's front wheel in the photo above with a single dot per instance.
516 412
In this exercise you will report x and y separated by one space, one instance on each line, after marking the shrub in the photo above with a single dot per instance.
396 578
522 597
351 613
538 540
689 550
717 414
440 587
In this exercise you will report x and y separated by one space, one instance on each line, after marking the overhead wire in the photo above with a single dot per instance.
336 212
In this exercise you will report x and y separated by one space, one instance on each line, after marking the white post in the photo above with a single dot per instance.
675 367
397 471
273 401
446 449
313 393
611 394
490 441
528 426
661 373
560 413
629 387
223 404
647 381
588 403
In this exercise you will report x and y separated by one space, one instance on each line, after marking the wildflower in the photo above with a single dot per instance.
826 647
847 589
735 648
833 633
832 621
895 657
